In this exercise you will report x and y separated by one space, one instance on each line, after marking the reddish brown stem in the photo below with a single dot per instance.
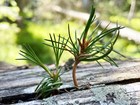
74 74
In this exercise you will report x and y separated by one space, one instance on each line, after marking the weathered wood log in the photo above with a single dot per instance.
104 95
114 85
6 66
128 33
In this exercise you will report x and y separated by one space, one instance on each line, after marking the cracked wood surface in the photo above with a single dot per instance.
105 83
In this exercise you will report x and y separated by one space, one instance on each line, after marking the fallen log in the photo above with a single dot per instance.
109 85
128 33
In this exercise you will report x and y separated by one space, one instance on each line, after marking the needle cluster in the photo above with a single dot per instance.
88 47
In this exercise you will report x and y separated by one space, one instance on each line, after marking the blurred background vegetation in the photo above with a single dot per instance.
31 21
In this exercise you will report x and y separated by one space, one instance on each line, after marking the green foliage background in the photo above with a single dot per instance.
24 21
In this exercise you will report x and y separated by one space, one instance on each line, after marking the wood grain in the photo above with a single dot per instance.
122 81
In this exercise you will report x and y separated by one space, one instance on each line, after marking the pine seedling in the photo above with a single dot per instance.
89 47
53 81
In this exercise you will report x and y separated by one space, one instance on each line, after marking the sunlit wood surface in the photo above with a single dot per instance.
107 86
